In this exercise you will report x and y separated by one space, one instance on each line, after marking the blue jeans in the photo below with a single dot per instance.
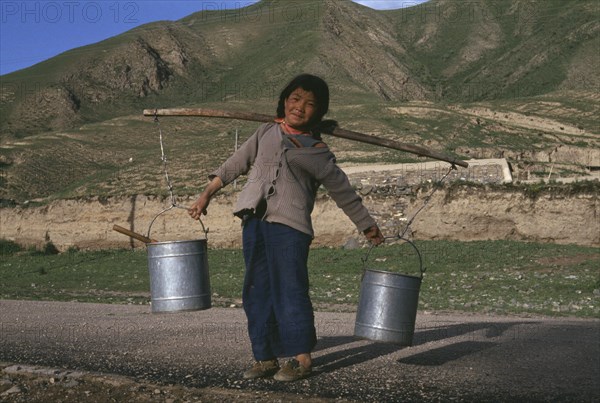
275 295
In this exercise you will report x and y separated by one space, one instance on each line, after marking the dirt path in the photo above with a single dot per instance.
200 355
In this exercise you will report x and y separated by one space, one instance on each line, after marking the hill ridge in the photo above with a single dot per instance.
420 53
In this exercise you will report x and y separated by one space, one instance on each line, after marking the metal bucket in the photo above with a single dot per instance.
387 306
179 278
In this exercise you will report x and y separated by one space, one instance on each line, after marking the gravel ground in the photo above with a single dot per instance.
64 351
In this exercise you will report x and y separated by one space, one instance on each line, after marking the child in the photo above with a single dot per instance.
286 162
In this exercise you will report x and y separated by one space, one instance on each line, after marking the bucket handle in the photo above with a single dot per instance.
204 229
411 243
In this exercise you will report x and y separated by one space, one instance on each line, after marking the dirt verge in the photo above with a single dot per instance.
36 384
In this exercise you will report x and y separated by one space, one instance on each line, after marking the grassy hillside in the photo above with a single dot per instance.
121 156
503 49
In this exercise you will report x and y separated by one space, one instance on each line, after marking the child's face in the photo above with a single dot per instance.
300 109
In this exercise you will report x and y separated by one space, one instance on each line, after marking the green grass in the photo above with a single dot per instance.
500 277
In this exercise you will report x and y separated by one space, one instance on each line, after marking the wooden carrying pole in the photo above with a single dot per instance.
333 130
132 234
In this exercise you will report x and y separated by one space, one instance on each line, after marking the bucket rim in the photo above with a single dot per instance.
203 240
395 273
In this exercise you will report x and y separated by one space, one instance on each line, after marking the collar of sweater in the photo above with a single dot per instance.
287 129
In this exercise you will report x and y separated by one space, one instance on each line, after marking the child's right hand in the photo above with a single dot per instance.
199 207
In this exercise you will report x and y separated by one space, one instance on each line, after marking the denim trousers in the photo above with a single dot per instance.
275 294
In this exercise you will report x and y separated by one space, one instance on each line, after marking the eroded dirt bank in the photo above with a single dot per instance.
466 214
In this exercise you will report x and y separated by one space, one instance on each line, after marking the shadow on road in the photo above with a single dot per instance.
478 334
442 355
350 356
479 330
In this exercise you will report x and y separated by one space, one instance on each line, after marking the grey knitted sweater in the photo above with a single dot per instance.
288 179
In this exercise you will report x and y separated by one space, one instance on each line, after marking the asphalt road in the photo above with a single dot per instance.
457 357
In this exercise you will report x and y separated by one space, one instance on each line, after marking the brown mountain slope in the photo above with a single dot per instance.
440 50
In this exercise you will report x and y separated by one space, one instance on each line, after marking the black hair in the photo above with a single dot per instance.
311 83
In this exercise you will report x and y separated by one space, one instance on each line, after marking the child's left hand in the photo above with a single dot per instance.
374 235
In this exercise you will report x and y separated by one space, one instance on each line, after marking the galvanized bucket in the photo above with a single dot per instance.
179 276
387 307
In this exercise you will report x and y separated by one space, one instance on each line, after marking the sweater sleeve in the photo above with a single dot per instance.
241 160
323 168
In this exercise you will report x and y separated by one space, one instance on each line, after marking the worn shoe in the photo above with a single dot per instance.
292 371
261 369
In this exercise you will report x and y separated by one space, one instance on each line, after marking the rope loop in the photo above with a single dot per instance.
401 235
163 158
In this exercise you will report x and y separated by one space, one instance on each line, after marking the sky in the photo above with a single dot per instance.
32 31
